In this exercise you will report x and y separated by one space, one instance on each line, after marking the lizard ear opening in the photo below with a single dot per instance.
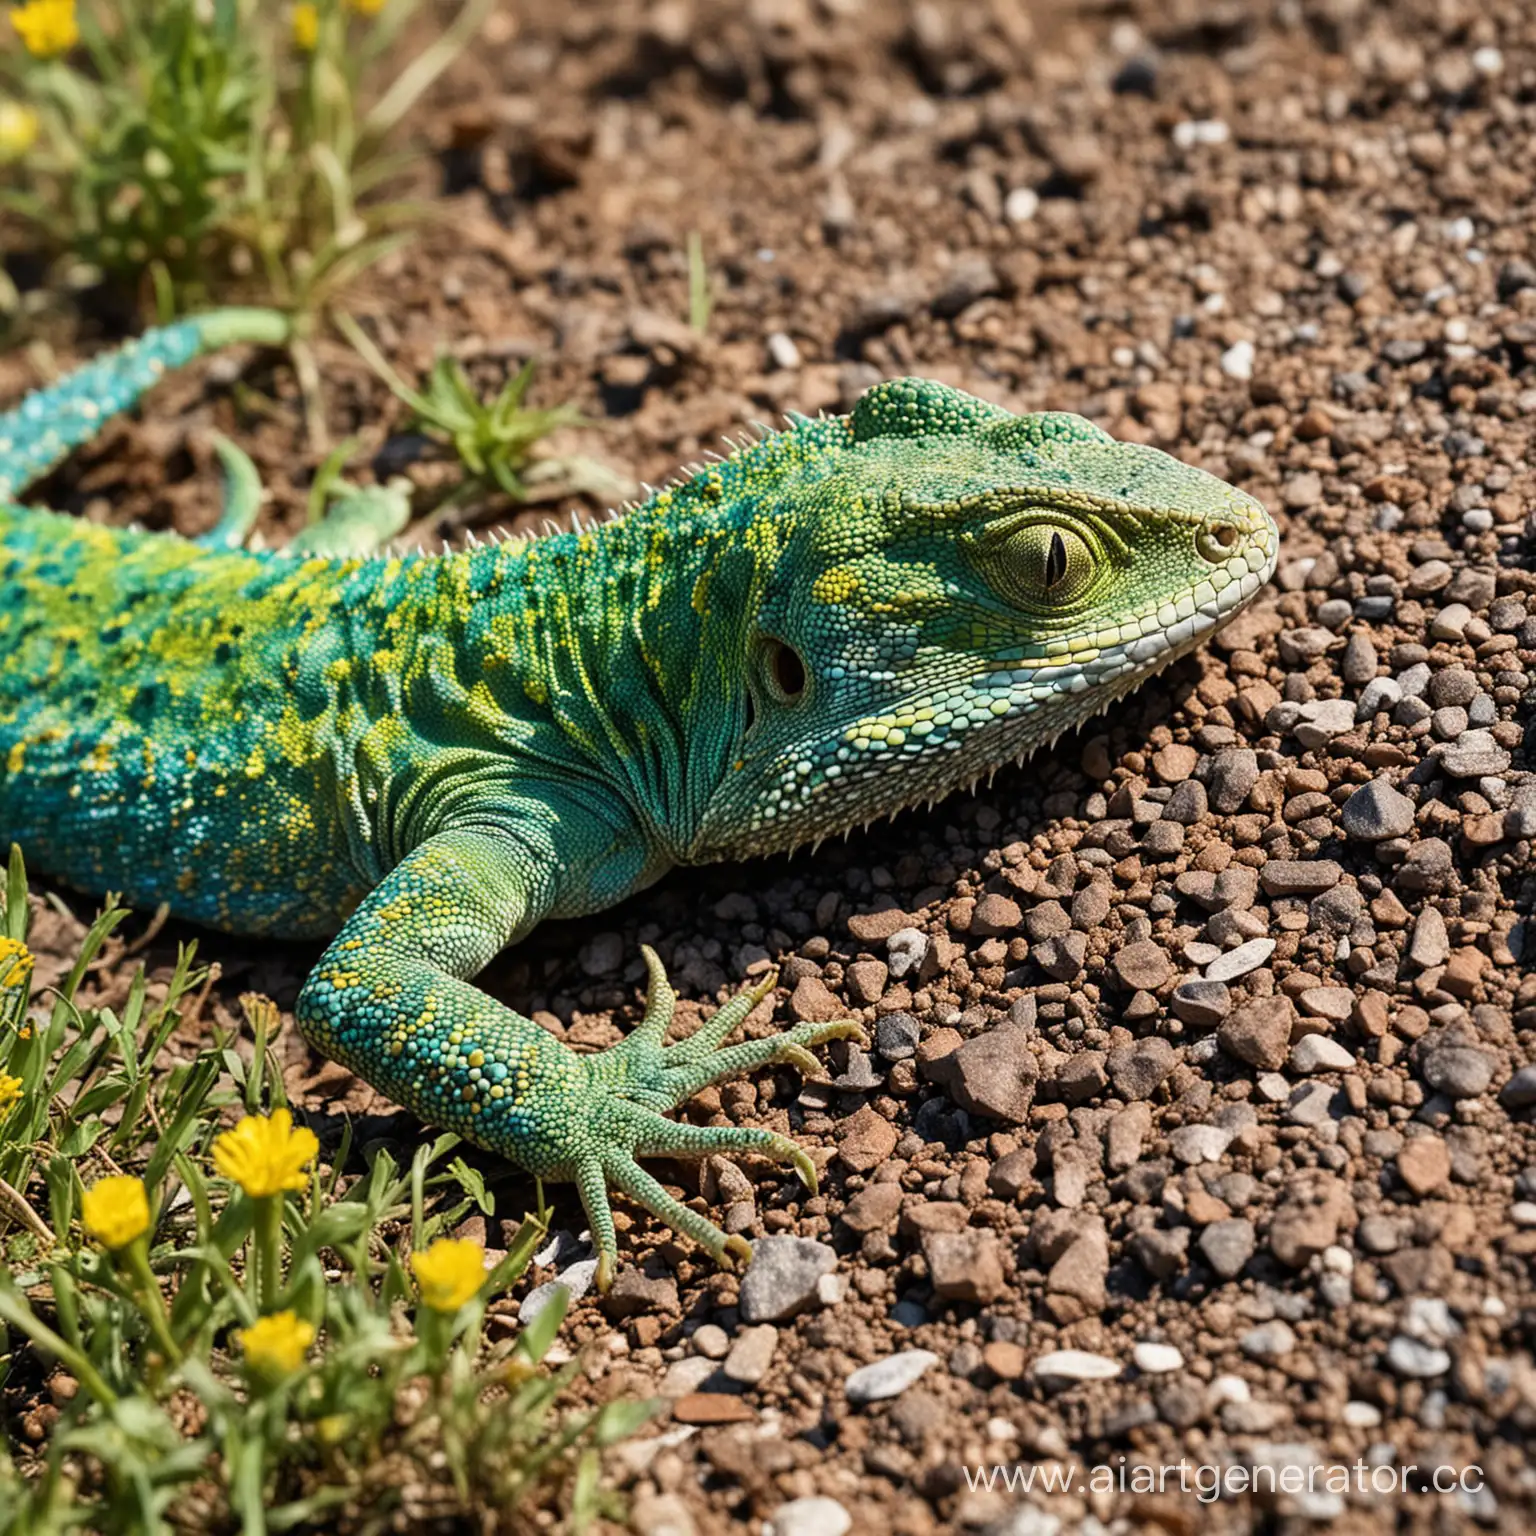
782 671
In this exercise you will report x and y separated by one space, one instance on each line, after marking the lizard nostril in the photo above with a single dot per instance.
1217 541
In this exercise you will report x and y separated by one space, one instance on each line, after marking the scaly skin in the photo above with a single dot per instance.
433 754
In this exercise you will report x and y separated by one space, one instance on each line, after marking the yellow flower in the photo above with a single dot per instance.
47 28
306 26
18 133
15 957
276 1345
265 1155
449 1272
115 1210
365 7
10 1090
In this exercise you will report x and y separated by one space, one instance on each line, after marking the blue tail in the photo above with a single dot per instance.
47 426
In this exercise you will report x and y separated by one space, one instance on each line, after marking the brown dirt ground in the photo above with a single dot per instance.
1287 241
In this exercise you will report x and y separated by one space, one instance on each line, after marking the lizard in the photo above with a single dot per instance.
419 757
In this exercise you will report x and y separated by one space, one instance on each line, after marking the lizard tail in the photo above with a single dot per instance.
49 424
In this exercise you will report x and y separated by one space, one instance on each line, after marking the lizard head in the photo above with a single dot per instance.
963 586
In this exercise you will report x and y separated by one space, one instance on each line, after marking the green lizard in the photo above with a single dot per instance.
427 755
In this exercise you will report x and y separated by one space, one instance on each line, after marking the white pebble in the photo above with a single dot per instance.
1237 360
1488 61
1361 1415
889 1377
1153 1359
1246 957
1320 1053
1523 1213
814 1516
1337 1260
1192 1144
1450 621
1074 1365
1021 205
782 351
1203 130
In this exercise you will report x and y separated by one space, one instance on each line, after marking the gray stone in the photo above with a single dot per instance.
1380 694
897 1035
602 954
1360 661
1227 1246
1299 877
783 1277
1161 1251
1311 1104
1233 774
1377 811
1322 720
1320 1053
1192 1144
751 1354
1429 944
1458 1071
1137 1070
575 1281
1269 1341
1520 1091
1427 867
1201 1002
1473 755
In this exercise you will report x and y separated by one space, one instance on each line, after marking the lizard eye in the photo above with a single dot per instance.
1049 565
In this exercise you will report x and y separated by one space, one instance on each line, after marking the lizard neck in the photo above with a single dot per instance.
612 656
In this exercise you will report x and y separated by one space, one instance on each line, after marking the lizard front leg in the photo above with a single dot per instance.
390 998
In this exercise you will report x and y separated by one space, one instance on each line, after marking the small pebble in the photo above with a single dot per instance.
889 1377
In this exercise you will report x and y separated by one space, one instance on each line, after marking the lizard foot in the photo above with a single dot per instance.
644 1077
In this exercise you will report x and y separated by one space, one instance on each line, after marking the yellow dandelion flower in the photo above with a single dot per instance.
365 7
306 26
115 1210
18 133
276 1345
265 1154
449 1272
15 957
46 28
10 1090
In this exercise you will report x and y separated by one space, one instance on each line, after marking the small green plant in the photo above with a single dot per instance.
494 440
237 1336
198 150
